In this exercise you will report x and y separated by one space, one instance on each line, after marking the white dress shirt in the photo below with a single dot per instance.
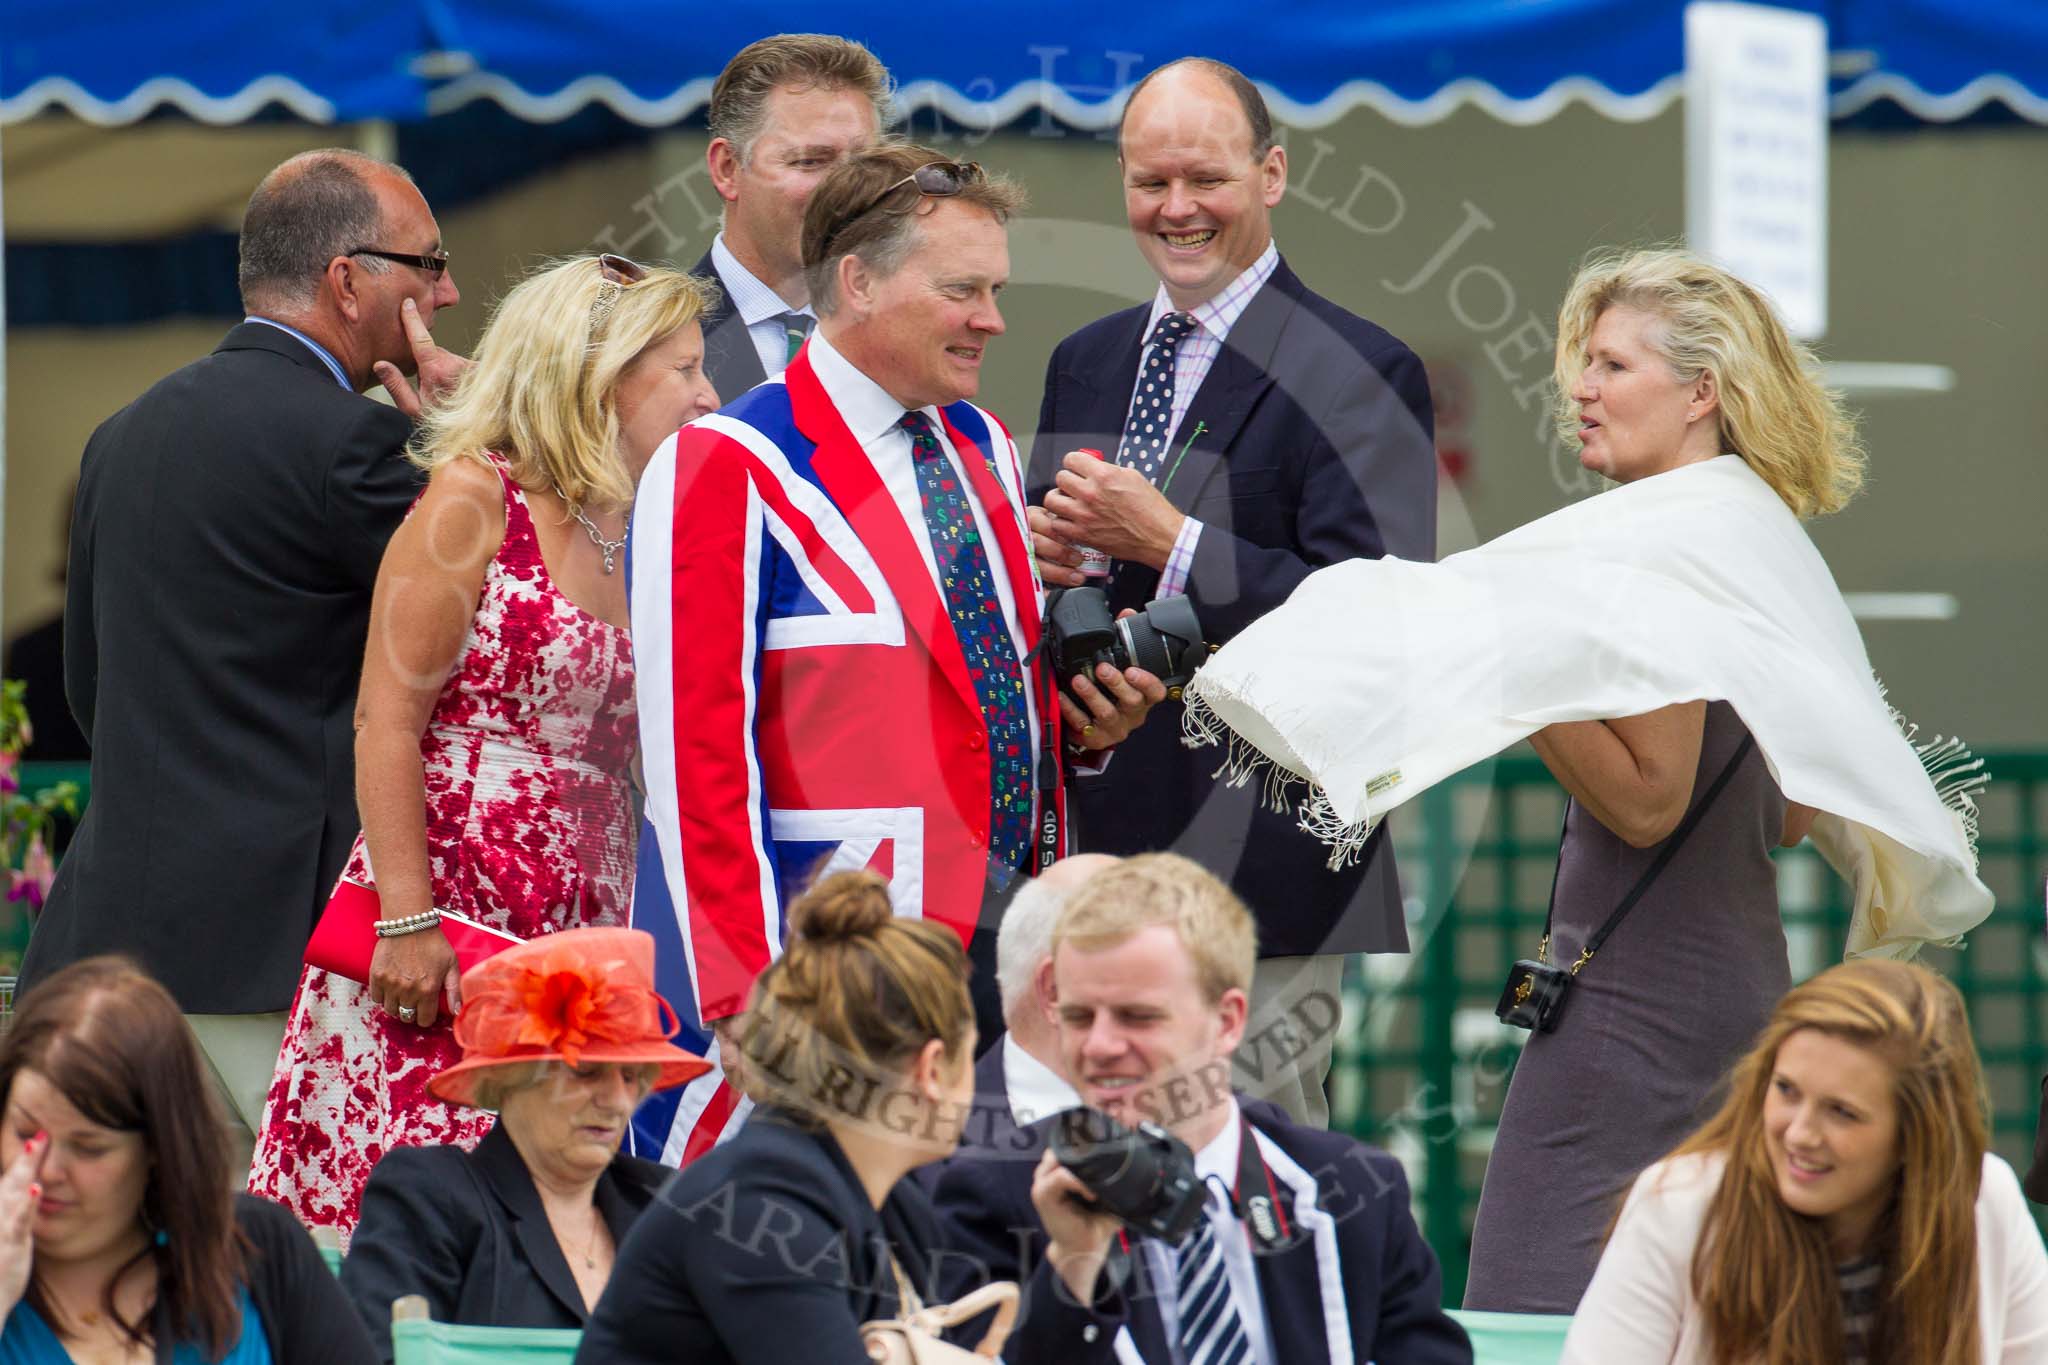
1035 1089
874 418
1191 365
1233 1240
758 306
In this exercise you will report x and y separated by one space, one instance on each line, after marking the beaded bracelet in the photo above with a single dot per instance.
411 924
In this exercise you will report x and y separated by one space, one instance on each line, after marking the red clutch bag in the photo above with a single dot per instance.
347 934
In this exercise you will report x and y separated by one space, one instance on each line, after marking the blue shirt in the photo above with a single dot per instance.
326 357
28 1340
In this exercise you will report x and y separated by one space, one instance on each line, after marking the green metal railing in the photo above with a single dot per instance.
1423 1065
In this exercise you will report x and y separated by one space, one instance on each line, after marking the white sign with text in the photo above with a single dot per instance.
1756 151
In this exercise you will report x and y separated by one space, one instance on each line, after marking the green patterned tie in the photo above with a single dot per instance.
797 326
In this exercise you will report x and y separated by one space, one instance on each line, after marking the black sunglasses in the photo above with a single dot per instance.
934 180
435 263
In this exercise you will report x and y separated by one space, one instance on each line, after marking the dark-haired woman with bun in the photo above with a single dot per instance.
120 1239
778 1245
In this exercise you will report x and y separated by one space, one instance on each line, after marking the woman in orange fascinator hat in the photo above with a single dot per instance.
562 1036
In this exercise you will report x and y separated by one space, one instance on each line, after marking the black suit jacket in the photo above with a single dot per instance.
225 539
467 1231
1392 1287
764 1250
1310 441
729 355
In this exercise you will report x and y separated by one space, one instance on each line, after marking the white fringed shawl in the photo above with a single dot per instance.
1378 678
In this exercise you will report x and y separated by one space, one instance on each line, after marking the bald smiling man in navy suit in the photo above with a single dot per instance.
1260 432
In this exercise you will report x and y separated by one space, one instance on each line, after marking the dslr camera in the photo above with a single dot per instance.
1144 1176
1164 639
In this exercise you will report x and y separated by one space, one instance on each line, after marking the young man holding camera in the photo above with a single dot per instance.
1304 1249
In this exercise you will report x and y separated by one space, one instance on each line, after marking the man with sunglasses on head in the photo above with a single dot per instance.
784 112
833 613
225 537
1260 432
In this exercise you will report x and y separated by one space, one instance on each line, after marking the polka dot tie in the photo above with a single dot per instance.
1143 447
968 584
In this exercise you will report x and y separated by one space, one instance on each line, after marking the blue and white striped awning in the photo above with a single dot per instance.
1414 61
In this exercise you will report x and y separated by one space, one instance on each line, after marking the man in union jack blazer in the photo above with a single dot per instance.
834 612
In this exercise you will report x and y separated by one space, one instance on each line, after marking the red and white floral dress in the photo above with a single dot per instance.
530 829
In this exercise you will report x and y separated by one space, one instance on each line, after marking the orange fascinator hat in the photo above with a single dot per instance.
582 996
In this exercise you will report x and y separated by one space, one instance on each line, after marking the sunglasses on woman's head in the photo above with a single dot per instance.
615 275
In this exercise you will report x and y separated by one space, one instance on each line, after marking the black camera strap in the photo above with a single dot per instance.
1665 853
1046 846
1261 1211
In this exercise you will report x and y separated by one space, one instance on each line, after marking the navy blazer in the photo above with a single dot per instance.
1356 1231
763 1251
730 360
467 1231
224 544
1311 441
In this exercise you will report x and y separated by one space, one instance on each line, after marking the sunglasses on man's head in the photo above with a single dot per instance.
435 263
934 180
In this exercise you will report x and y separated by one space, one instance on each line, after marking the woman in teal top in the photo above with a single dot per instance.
120 1241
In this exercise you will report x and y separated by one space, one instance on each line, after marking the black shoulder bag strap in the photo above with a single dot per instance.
1664 856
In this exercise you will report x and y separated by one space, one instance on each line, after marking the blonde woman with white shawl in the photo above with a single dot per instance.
1678 654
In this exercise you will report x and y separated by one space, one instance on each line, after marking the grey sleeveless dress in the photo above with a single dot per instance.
1675 996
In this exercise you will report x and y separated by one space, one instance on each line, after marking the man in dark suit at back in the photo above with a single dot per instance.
1305 1252
226 534
785 110
1258 432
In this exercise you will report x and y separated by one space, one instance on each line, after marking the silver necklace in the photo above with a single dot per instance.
611 548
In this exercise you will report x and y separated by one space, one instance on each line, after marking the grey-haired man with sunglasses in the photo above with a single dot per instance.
224 542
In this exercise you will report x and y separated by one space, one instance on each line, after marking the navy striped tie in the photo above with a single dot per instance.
1211 1332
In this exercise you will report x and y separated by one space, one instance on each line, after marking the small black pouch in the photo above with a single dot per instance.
1535 995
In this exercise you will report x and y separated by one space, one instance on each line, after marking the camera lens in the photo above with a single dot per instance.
1144 647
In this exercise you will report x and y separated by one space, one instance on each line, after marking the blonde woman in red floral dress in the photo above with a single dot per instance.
494 730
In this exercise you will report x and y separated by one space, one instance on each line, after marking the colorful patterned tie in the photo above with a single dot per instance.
797 327
968 584
1143 447
1211 1332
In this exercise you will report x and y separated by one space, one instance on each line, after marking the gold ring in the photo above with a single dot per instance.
1088 729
